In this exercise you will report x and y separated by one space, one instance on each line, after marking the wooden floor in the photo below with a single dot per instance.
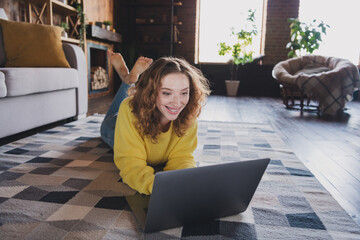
329 149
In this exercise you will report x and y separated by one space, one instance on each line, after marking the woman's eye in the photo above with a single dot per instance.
166 93
185 93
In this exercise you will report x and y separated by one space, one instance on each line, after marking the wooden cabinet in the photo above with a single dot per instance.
54 12
152 28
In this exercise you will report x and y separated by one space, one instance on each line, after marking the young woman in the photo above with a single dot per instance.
157 123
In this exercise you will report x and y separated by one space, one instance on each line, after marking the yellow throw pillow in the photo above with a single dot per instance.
32 45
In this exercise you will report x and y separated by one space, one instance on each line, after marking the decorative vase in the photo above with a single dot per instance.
232 87
64 34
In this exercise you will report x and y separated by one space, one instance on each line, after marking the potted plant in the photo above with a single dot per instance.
239 51
65 26
305 38
107 24
152 17
81 16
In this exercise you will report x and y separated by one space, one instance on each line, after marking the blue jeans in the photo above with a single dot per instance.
107 128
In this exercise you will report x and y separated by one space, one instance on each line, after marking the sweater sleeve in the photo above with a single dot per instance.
130 153
181 155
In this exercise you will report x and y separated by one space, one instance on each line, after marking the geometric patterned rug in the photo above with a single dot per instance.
62 184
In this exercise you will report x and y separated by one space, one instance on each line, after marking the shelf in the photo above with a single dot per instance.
134 5
94 31
153 24
58 7
63 8
153 43
43 11
158 43
70 40
176 4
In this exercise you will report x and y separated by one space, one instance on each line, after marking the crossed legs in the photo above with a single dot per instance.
141 64
128 78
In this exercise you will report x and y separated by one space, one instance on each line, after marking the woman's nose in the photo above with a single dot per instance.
176 99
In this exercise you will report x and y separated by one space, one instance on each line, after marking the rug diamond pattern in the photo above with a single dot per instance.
62 184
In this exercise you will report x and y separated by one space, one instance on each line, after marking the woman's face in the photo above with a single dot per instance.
173 96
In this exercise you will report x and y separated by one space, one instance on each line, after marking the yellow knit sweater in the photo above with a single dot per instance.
135 155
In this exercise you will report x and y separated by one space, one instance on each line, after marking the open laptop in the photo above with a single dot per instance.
194 195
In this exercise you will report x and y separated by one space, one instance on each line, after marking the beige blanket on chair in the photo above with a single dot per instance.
329 80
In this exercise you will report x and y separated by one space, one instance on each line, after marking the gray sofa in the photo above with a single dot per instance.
33 97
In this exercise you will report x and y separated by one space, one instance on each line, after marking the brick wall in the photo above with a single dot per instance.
277 31
187 15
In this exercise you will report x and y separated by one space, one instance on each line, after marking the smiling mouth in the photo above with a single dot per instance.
173 111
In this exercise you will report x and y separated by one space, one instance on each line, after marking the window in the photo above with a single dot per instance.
343 38
216 20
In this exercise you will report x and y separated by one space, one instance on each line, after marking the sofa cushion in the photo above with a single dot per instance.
32 45
23 81
2 50
2 85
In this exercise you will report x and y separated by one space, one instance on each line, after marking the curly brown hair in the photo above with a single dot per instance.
144 95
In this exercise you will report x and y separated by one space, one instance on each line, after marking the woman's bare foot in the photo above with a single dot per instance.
119 64
141 64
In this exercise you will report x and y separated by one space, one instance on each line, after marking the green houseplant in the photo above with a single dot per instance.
305 38
107 24
65 26
239 51
82 26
